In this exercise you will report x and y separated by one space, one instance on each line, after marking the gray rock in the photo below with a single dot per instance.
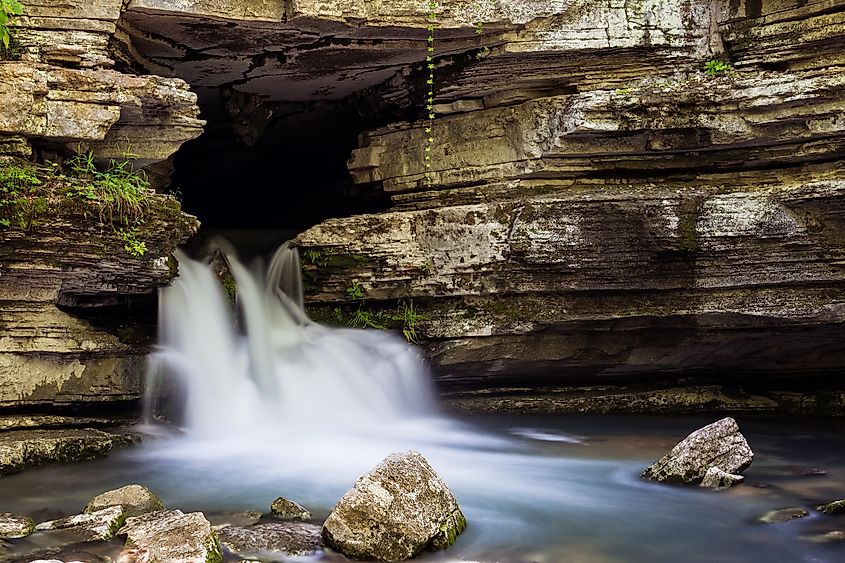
716 445
246 518
715 478
15 526
135 500
25 448
783 515
829 537
289 510
835 507
394 512
93 526
170 536
290 538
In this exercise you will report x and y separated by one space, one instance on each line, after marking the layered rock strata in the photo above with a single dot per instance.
69 335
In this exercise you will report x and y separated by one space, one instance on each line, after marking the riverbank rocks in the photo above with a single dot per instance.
285 509
288 538
835 507
100 525
135 500
20 449
395 511
170 535
15 526
783 515
719 445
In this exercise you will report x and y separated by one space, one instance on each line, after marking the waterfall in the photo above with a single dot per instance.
269 364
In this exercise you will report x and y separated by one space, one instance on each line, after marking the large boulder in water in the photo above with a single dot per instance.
170 535
135 500
395 511
718 445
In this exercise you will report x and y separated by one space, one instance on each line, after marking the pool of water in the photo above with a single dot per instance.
534 488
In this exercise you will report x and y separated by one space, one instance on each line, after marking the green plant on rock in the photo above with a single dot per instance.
364 318
131 244
409 316
429 99
8 10
20 200
315 258
715 67
355 291
120 190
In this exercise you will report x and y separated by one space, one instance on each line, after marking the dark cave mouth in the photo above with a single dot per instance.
272 167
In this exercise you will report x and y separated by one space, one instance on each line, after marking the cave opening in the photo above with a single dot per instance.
264 171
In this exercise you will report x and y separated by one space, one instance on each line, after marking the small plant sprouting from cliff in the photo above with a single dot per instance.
355 291
405 318
131 244
8 10
715 67
120 190
20 200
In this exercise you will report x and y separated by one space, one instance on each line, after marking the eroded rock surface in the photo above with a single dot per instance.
285 509
288 538
99 525
134 499
715 478
718 445
394 512
783 515
28 448
170 536
15 526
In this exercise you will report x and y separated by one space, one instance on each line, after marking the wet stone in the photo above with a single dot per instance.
717 479
835 507
135 500
15 526
289 538
170 535
242 519
100 525
783 515
830 537
285 509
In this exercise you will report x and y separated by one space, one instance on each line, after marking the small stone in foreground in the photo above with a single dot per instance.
783 515
170 535
93 526
716 445
14 526
395 511
239 519
289 538
835 507
289 510
135 500
715 478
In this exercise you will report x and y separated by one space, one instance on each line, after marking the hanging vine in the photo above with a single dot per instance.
429 100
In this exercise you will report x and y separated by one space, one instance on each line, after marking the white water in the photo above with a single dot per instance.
273 367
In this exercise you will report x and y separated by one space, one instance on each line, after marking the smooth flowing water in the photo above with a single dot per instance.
278 405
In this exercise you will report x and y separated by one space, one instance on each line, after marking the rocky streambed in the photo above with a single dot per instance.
531 488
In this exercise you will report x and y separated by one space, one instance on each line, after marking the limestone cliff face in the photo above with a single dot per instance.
602 207
599 209
59 94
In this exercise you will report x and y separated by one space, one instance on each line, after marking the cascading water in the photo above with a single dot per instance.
278 367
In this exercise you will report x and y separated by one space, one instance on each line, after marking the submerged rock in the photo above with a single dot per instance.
15 526
835 507
715 478
246 518
783 515
170 535
392 513
289 510
829 537
718 445
290 538
93 526
135 500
